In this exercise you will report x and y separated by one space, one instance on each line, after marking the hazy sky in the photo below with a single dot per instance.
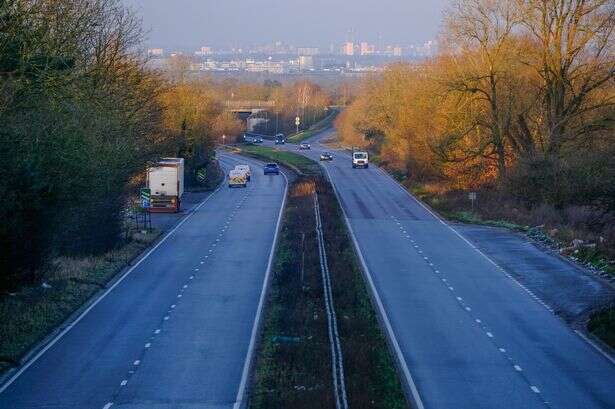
193 23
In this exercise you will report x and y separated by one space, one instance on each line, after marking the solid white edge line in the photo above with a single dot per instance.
239 400
104 294
596 346
415 397
479 251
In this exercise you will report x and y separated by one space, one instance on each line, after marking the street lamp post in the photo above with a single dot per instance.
223 139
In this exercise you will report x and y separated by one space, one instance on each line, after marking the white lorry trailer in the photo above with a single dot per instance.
166 182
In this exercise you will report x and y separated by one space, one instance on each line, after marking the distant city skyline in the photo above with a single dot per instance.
191 24
347 48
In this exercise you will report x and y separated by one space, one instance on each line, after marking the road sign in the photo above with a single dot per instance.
472 197
146 198
200 175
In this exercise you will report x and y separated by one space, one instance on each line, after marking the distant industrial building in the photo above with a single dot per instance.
265 66
308 51
204 51
367 49
155 52
348 48
306 62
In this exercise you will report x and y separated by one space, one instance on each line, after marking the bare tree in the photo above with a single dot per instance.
482 62
573 54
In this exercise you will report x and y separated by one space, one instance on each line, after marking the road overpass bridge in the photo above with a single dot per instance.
249 106
254 112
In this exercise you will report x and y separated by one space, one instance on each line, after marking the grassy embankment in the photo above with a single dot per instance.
28 316
293 364
317 127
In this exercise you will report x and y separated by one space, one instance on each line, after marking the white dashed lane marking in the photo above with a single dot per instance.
468 309
173 306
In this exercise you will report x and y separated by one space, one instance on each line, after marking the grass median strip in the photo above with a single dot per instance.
293 364
289 159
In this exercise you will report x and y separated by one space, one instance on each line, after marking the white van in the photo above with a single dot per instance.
246 169
360 160
237 178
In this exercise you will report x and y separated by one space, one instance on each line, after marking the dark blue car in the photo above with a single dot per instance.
271 169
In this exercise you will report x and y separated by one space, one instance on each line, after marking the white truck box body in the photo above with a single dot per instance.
167 177
166 182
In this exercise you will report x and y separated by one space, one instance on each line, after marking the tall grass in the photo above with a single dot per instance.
29 315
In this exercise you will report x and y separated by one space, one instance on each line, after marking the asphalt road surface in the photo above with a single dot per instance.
176 331
467 333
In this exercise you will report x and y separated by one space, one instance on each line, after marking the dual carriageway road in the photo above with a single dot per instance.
177 330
